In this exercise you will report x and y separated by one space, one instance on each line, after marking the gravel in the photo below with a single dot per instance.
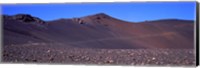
59 54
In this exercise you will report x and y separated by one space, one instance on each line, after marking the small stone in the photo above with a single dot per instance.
43 43
131 54
48 51
22 56
82 57
76 59
87 58
100 57
51 59
27 59
142 63
16 60
166 53
109 61
161 62
157 62
35 43
153 58
133 63
61 52
109 51
99 63
5 55
107 58
71 56
148 60
134 59
34 60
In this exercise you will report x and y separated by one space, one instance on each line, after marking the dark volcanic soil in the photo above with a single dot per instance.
59 53
97 39
99 31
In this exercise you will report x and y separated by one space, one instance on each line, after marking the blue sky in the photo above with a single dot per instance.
134 12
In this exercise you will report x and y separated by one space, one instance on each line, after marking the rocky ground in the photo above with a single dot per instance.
59 54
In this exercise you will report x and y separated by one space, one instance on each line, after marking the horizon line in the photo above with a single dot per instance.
96 14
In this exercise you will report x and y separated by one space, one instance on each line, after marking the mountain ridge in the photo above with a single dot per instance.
101 14
99 31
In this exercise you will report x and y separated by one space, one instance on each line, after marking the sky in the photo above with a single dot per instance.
133 12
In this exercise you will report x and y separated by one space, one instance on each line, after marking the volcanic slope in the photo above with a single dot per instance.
98 31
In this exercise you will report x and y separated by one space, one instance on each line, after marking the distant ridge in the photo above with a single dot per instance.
167 20
24 18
